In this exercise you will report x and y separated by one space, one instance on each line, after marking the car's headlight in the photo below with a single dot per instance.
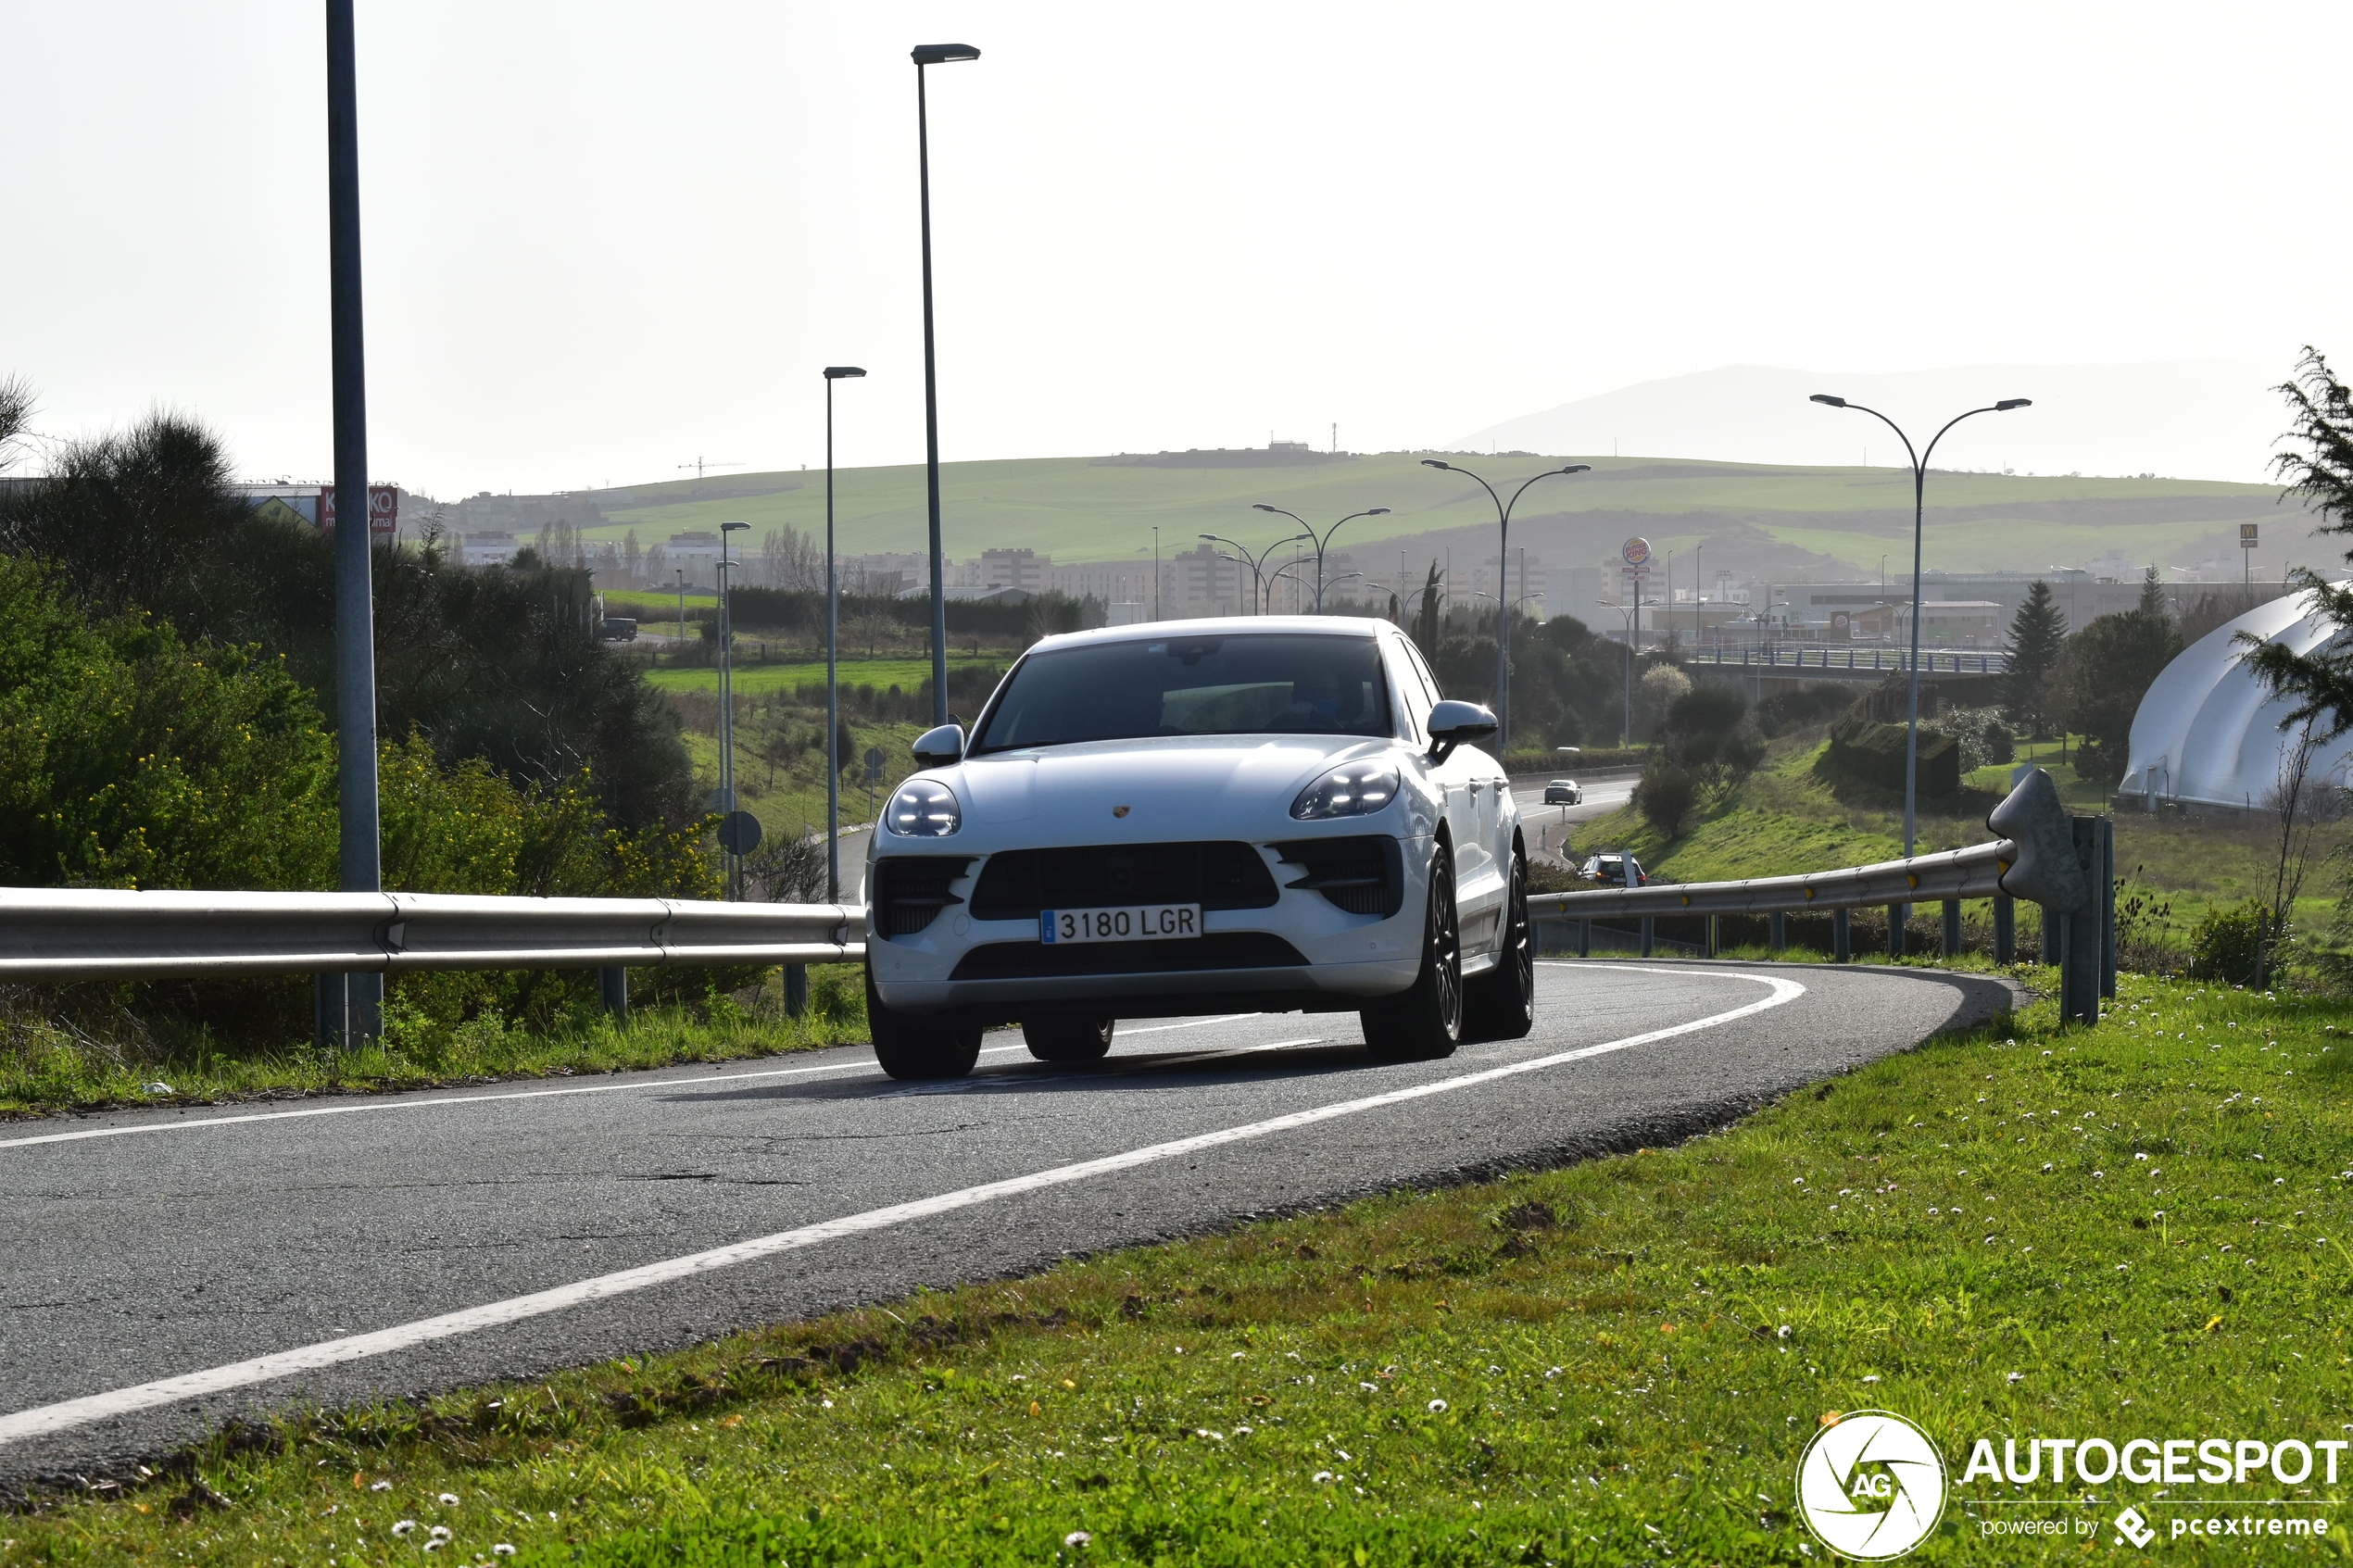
1357 789
923 809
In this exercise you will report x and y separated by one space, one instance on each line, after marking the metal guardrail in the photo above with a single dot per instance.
87 933
1851 659
2064 863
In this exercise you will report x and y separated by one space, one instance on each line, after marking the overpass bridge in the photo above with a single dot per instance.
1798 661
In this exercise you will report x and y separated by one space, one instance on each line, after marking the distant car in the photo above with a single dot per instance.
1564 792
619 629
1617 869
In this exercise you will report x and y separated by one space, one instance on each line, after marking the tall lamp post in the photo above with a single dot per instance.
727 708
1501 610
932 54
351 1005
1502 576
1920 494
833 681
1319 543
1257 565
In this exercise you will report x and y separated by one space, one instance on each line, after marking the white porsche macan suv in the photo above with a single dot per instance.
1250 815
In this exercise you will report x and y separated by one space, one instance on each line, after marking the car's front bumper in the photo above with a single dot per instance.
1303 953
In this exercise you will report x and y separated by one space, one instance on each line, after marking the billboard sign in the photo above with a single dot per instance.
383 508
1635 552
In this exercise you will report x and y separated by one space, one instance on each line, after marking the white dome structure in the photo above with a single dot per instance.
2207 735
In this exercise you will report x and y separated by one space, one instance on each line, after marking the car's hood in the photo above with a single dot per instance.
1171 787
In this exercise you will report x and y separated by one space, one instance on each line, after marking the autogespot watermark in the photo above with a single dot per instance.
1872 1484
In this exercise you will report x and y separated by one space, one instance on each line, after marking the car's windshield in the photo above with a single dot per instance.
1249 684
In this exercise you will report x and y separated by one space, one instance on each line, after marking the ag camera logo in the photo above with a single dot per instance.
1870 1486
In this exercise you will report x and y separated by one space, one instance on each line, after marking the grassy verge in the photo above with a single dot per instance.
2127 1231
45 1070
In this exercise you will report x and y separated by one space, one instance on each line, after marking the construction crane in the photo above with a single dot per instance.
700 464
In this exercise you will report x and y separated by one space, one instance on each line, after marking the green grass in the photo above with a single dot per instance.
758 680
1615 1362
1075 510
44 1069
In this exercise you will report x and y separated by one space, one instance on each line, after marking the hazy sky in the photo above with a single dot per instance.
605 239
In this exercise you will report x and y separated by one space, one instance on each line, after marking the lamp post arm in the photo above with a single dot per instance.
1957 419
1908 450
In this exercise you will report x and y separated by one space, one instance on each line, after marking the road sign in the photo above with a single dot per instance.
2247 536
1635 552
874 764
383 508
740 833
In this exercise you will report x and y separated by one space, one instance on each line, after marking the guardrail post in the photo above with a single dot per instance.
2107 905
1841 940
2005 928
1650 932
1711 936
1584 939
1952 928
2079 935
331 1008
612 989
795 989
1896 915
1780 931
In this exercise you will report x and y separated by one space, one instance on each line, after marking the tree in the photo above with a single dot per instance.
1425 621
2153 597
2037 633
2110 665
2318 469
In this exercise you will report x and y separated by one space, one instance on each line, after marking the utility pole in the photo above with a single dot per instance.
351 1007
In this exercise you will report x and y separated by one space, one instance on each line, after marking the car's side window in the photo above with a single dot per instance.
1422 674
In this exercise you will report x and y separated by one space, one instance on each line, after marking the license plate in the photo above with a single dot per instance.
1134 923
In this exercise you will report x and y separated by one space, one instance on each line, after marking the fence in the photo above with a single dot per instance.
2064 863
89 933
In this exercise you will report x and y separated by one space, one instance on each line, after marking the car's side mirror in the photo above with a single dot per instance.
937 749
1458 724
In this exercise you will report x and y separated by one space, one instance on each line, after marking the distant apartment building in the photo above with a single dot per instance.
490 547
696 553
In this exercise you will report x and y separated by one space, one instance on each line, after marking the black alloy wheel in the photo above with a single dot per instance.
1502 1003
1068 1037
918 1046
1425 1023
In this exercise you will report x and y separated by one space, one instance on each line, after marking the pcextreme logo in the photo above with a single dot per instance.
1870 1486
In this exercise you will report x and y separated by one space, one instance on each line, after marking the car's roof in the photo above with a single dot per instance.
1223 626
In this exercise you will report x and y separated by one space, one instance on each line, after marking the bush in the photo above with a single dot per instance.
1984 734
1667 794
2228 944
1873 754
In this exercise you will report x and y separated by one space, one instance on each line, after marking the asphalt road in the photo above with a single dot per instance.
169 1270
1547 828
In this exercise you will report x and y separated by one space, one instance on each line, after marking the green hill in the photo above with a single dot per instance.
1747 515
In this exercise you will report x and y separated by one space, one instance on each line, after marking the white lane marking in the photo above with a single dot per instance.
1189 1023
1111 1072
45 1419
390 1103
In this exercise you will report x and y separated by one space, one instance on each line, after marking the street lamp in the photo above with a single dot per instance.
1502 576
1920 494
727 708
1319 543
1257 566
932 54
833 684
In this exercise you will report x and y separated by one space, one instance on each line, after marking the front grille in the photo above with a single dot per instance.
911 890
1219 949
1365 877
1019 884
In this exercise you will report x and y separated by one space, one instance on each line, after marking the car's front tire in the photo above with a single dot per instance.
1425 1023
914 1045
1068 1037
1501 1004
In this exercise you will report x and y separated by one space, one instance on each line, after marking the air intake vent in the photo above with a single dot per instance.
1365 877
911 890
1018 883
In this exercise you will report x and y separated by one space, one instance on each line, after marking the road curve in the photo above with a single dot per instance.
169 1270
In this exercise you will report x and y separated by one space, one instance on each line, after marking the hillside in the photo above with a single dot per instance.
1792 521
